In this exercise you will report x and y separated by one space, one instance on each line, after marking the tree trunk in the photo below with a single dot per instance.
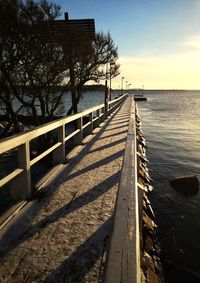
12 116
78 91
74 108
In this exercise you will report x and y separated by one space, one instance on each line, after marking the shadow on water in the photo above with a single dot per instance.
184 275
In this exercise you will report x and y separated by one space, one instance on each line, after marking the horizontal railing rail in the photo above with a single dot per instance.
123 262
21 176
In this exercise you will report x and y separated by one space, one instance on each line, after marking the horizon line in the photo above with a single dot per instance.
157 89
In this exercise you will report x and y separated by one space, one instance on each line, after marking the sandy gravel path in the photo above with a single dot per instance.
66 239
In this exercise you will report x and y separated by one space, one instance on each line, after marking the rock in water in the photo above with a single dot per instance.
188 185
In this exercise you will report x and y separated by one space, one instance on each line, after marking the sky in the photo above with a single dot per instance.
158 40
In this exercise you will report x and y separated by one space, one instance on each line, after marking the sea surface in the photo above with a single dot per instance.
88 99
171 126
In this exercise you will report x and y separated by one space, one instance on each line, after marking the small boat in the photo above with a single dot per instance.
139 97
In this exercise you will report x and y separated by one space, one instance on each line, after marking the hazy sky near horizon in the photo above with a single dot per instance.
158 40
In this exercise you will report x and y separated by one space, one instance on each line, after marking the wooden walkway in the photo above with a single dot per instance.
62 235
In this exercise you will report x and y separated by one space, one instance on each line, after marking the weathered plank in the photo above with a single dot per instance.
124 254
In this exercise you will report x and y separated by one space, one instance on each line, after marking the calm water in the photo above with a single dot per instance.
88 100
171 125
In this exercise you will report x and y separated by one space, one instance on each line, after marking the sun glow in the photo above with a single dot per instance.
174 71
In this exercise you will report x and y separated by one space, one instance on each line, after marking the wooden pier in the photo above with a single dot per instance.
84 223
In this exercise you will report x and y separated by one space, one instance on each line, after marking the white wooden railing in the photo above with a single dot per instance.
123 262
21 177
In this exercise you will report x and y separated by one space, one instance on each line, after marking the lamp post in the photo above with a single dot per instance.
122 84
128 86
106 93
111 64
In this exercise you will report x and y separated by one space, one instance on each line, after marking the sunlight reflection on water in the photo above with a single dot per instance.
171 125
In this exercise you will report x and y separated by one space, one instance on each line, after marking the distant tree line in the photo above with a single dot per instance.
35 73
94 87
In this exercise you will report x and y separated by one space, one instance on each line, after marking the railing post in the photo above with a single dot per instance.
106 101
59 153
79 137
109 109
103 116
97 122
90 128
116 104
21 185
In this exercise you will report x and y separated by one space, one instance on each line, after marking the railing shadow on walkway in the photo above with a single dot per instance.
95 165
124 121
74 204
114 128
109 136
69 270
106 146
20 237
